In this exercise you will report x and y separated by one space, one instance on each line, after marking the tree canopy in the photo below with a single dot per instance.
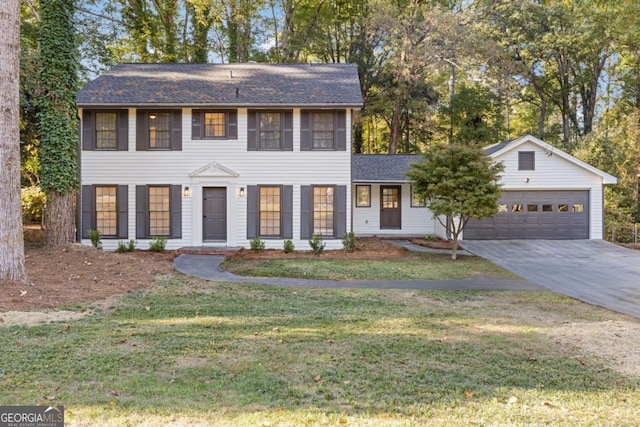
434 71
458 182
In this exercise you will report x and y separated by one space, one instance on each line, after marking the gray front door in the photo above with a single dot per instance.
390 207
214 210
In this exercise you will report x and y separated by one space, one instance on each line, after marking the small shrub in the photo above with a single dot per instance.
126 247
158 243
430 238
33 203
257 245
349 242
96 238
289 246
317 244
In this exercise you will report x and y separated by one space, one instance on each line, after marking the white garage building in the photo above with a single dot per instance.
548 194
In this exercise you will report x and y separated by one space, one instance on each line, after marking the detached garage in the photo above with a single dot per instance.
548 194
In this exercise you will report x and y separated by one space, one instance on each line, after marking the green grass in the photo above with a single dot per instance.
411 266
197 353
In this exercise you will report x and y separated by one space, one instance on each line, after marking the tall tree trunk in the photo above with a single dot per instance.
11 240
59 224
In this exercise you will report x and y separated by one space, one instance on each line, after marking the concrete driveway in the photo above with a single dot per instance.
592 271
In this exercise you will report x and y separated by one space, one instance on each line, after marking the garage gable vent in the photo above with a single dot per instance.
526 160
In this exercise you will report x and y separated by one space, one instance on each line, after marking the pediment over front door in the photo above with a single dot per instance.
214 170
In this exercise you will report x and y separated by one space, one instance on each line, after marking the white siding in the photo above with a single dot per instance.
553 172
249 167
416 221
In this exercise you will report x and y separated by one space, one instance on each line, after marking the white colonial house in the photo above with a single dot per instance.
217 154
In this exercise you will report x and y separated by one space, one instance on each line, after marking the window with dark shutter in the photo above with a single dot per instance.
214 124
158 211
323 130
105 208
526 160
105 130
159 130
270 130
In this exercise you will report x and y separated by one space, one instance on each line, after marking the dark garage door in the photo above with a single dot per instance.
535 215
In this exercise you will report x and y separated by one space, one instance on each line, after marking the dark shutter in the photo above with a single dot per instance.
340 130
253 194
142 130
123 130
196 124
176 130
287 131
287 212
232 125
306 214
88 130
340 216
123 211
88 210
252 131
142 212
175 204
305 131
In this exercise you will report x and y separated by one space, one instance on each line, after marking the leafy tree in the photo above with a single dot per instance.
12 265
58 76
459 183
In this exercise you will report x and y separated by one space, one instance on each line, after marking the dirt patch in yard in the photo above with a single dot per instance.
78 274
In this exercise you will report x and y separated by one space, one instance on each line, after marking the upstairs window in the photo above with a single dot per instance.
214 124
526 160
159 130
105 130
270 135
270 130
323 130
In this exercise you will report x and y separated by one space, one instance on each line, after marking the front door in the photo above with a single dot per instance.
390 207
215 213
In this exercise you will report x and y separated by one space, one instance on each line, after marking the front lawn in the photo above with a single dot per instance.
411 265
198 353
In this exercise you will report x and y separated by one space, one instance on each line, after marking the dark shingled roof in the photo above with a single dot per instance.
496 147
382 167
225 85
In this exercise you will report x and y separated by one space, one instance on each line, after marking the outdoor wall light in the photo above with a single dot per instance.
526 180
186 192
241 191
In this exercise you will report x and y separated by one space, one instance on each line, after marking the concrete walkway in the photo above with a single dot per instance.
592 271
208 267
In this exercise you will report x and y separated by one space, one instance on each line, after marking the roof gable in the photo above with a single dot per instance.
495 151
225 85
